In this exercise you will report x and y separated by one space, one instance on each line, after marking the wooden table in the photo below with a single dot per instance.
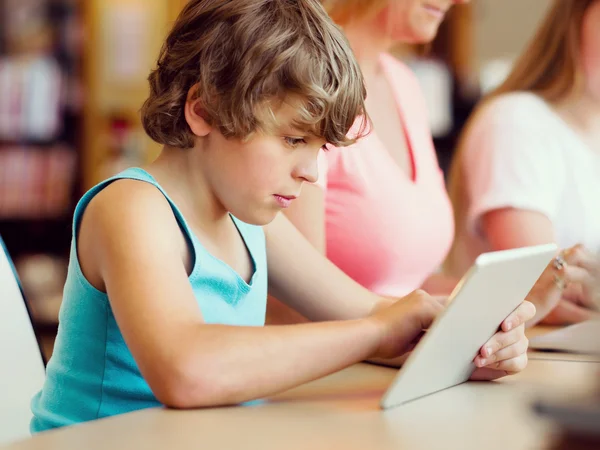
341 412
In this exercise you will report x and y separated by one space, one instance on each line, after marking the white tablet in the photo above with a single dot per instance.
493 288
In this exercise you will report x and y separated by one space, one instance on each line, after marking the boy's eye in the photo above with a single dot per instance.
294 142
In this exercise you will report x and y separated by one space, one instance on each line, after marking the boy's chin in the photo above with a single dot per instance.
258 218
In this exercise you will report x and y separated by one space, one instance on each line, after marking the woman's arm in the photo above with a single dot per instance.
513 228
512 168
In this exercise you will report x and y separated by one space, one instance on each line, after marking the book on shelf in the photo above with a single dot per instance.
30 89
36 183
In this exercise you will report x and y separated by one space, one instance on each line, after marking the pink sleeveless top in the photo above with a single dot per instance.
387 231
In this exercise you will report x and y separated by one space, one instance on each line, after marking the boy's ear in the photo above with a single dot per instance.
194 115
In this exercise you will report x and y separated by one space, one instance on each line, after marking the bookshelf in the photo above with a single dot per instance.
42 93
72 80
41 88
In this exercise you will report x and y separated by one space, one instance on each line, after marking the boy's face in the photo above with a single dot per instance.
257 178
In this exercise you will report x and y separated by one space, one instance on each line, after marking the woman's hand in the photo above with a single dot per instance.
506 352
583 278
568 290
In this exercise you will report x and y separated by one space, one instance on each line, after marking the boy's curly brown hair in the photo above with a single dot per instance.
239 56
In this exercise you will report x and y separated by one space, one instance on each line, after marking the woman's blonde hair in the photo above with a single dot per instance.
549 67
345 11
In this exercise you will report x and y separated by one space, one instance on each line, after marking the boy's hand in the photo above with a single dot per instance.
404 322
506 352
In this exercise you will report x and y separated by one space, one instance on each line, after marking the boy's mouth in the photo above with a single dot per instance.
284 201
435 11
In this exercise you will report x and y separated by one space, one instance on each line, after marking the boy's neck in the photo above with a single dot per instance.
177 171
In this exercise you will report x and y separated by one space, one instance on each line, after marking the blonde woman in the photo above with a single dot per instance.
528 167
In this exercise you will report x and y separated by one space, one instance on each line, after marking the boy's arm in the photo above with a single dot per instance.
304 279
134 246
307 214
301 277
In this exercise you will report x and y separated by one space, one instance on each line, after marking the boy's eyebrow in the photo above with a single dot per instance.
297 130
300 132
294 127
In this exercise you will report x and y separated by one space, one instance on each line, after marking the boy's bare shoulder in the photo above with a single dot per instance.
125 219
130 203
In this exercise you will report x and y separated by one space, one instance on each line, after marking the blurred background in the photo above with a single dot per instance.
73 77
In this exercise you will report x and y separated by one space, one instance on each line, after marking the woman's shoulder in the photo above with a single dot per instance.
516 106
513 127
525 114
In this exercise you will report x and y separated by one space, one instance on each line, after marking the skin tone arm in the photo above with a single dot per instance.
504 354
512 228
188 363
307 213
312 205
339 288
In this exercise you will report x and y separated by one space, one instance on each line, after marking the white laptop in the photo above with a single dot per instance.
494 287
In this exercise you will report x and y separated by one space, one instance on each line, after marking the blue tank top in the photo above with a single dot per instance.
92 373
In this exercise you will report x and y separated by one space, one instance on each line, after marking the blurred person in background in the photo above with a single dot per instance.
380 210
527 170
